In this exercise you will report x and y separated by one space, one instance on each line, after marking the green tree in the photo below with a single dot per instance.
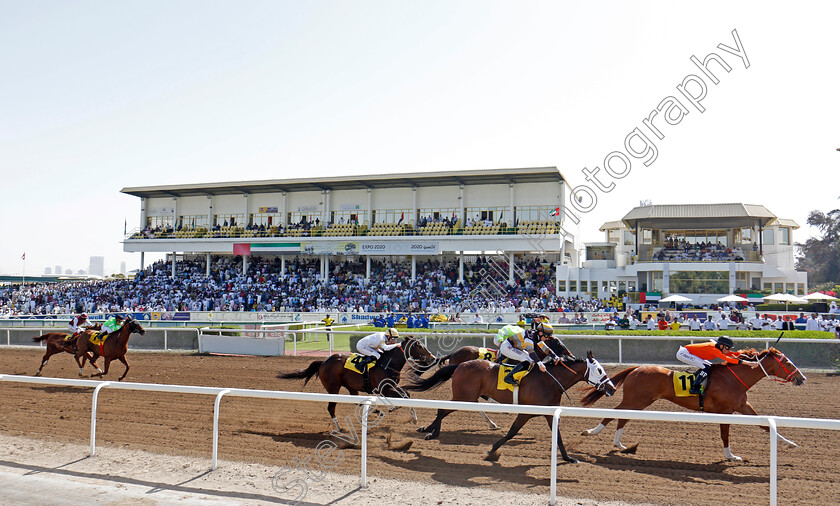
820 256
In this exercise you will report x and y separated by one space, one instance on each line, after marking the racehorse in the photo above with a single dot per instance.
113 348
58 342
475 378
467 353
334 375
726 391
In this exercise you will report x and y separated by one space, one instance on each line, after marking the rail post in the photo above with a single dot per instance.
555 430
365 413
774 457
93 416
620 350
216 407
8 337
165 339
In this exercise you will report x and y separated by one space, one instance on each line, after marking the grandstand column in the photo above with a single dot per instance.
512 217
367 263
209 212
247 218
732 278
510 268
461 215
326 269
461 266
173 264
322 269
284 220
413 268
369 218
143 218
142 260
414 211
283 265
244 264
207 259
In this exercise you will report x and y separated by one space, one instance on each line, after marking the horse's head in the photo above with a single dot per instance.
775 363
596 376
416 352
133 326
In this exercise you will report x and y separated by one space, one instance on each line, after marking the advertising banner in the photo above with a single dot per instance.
330 248
400 248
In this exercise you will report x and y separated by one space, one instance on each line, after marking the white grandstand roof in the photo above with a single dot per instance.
407 180
699 215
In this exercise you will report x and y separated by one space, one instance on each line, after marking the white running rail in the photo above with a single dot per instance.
554 411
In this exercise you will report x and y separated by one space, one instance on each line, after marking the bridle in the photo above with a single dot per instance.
790 373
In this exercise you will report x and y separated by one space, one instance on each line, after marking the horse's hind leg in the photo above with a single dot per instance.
433 428
597 430
122 359
514 429
550 420
44 360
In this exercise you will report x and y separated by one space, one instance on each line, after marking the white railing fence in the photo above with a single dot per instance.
555 411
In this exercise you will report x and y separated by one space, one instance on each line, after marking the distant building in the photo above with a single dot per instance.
80 272
58 270
97 266
48 270
122 268
68 271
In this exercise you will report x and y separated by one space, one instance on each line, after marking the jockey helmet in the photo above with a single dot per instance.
392 333
83 316
725 341
545 328
119 317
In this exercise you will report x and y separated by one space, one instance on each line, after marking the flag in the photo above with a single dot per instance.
402 217
23 257
555 212
125 227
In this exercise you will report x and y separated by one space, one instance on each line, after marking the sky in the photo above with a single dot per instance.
100 95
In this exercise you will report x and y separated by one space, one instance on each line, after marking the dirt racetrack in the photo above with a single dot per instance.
675 463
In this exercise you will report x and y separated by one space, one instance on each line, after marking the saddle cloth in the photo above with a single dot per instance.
97 338
354 359
487 354
503 370
682 383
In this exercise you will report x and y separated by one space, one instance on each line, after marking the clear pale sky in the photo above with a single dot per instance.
99 95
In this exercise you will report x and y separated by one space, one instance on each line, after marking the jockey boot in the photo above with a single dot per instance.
362 364
518 367
699 377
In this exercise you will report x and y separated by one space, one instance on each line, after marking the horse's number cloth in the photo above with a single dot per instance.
354 359
98 337
487 354
682 383
503 370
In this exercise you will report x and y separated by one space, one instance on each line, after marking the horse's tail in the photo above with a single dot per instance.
617 380
305 374
41 338
442 374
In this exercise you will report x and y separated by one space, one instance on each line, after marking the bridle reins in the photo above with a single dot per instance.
773 377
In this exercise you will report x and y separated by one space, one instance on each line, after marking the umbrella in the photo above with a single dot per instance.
786 298
675 298
733 298
818 296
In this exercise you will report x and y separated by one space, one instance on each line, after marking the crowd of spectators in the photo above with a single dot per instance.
684 251
264 287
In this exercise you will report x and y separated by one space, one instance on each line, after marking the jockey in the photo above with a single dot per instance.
371 346
78 324
113 324
700 355
540 335
514 345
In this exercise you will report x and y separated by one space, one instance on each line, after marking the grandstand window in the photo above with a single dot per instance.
573 285
562 286
299 218
229 220
769 237
525 214
622 286
483 214
629 238
345 217
699 282
778 287
192 221
584 286
393 216
647 236
784 236
267 219
675 238
789 287
437 215
800 288
768 287
631 286
656 281
612 236
746 235
160 221
741 280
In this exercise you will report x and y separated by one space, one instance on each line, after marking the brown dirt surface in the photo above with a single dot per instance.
674 464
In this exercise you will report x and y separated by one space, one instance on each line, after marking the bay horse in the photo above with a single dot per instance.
475 378
726 391
60 342
334 375
114 348
467 353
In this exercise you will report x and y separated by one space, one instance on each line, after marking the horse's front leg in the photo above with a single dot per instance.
493 454
747 409
103 373
724 436
122 359
550 420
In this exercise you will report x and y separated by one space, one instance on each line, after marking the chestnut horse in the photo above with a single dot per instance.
475 378
334 375
467 353
114 348
59 342
726 391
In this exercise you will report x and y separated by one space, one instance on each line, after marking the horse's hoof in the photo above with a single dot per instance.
791 444
630 449
734 458
431 436
421 429
587 432
493 426
571 460
493 456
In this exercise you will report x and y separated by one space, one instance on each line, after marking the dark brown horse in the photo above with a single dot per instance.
475 378
726 391
60 342
114 348
334 375
467 353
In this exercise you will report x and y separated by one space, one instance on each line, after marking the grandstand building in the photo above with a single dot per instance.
702 251
514 214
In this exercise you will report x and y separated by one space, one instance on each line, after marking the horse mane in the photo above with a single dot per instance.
570 360
753 354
